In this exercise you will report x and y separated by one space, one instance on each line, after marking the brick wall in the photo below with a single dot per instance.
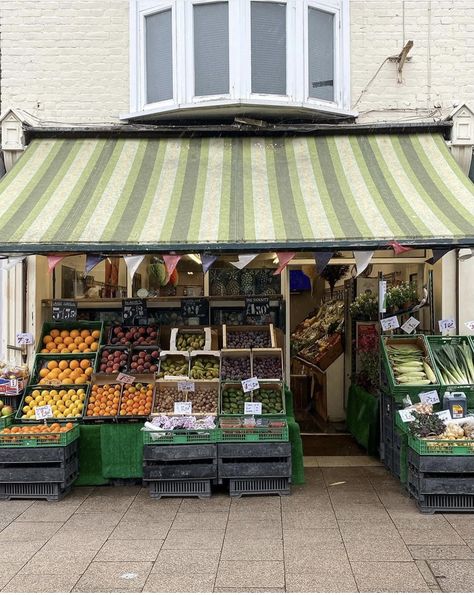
68 61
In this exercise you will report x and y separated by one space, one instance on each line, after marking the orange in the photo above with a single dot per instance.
43 373
58 340
45 350
94 346
65 350
95 334
85 333
68 340
47 339
54 350
61 346
78 340
64 333
85 363
74 333
75 351
82 346
52 364
73 364
51 345
88 340
54 333
63 364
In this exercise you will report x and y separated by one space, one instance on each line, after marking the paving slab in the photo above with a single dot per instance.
20 552
186 562
117 576
143 530
440 536
464 526
314 560
193 540
252 549
441 552
323 582
18 531
254 528
214 504
455 576
389 577
92 520
250 574
416 521
41 583
211 521
363 530
321 519
129 550
52 513
7 572
236 590
66 539
364 549
58 562
180 583
301 537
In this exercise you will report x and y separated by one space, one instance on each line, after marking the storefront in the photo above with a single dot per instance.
244 202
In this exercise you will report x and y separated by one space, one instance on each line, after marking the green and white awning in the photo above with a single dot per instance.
227 193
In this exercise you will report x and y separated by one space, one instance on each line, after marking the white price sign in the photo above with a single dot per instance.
445 415
470 325
186 386
382 296
410 325
446 325
250 384
389 324
406 415
43 412
183 407
24 339
253 409
431 397
125 378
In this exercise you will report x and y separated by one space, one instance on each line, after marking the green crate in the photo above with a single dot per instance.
6 421
401 425
35 440
436 341
40 387
253 434
441 447
44 357
399 389
179 436
70 325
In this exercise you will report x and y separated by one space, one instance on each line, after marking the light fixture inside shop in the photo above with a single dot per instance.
465 254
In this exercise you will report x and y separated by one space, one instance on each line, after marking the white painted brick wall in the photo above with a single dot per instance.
68 60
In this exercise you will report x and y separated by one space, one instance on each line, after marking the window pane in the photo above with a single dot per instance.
268 48
211 48
159 56
321 54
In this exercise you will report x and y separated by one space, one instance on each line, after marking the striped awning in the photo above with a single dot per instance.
228 193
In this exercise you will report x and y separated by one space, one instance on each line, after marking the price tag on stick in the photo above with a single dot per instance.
125 378
183 407
43 412
470 325
431 397
406 415
445 415
24 339
186 386
252 409
250 384
446 325
410 325
389 324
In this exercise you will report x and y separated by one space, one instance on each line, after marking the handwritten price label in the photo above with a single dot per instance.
252 409
250 384
431 397
470 325
445 415
406 415
410 325
24 339
43 412
186 386
183 407
389 324
446 325
125 378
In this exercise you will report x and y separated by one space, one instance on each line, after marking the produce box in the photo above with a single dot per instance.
267 364
272 397
248 337
137 336
137 399
233 398
113 359
12 386
21 436
67 402
437 344
179 436
438 446
96 330
63 369
239 429
205 365
419 342
173 364
236 365
204 397
193 339
144 360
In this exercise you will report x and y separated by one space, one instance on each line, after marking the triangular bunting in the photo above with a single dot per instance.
132 263
244 260
53 261
171 262
92 260
283 258
398 248
362 261
437 255
207 260
322 259
8 263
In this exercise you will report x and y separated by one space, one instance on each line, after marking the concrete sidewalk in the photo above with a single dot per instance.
348 529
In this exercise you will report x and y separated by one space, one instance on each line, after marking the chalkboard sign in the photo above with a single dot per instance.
64 310
134 311
196 308
257 306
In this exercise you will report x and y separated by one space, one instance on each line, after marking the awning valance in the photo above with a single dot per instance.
246 193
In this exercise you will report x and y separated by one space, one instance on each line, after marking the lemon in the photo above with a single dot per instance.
29 399
25 409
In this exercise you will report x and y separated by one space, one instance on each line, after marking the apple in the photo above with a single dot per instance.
7 410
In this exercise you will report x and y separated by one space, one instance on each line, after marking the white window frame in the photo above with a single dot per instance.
240 80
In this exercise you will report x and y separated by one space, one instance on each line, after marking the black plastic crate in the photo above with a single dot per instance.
60 473
39 454
200 488
258 486
37 491
431 503
181 470
440 464
169 452
254 460
441 483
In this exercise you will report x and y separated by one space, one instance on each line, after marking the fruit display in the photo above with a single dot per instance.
134 335
205 367
13 378
51 431
409 365
233 399
271 399
455 362
180 422
64 403
5 410
267 367
144 361
113 360
71 341
137 399
190 341
310 338
235 367
173 365
62 371
248 339
104 400
204 398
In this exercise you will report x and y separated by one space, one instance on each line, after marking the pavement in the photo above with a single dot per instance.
350 528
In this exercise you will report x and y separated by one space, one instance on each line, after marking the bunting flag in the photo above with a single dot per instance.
132 263
283 259
171 262
8 263
207 260
244 260
92 260
362 261
53 261
322 259
398 248
437 255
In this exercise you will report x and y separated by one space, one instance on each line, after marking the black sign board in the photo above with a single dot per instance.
257 309
64 310
134 311
196 308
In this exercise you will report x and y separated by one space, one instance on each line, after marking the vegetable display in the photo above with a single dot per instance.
409 365
455 363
